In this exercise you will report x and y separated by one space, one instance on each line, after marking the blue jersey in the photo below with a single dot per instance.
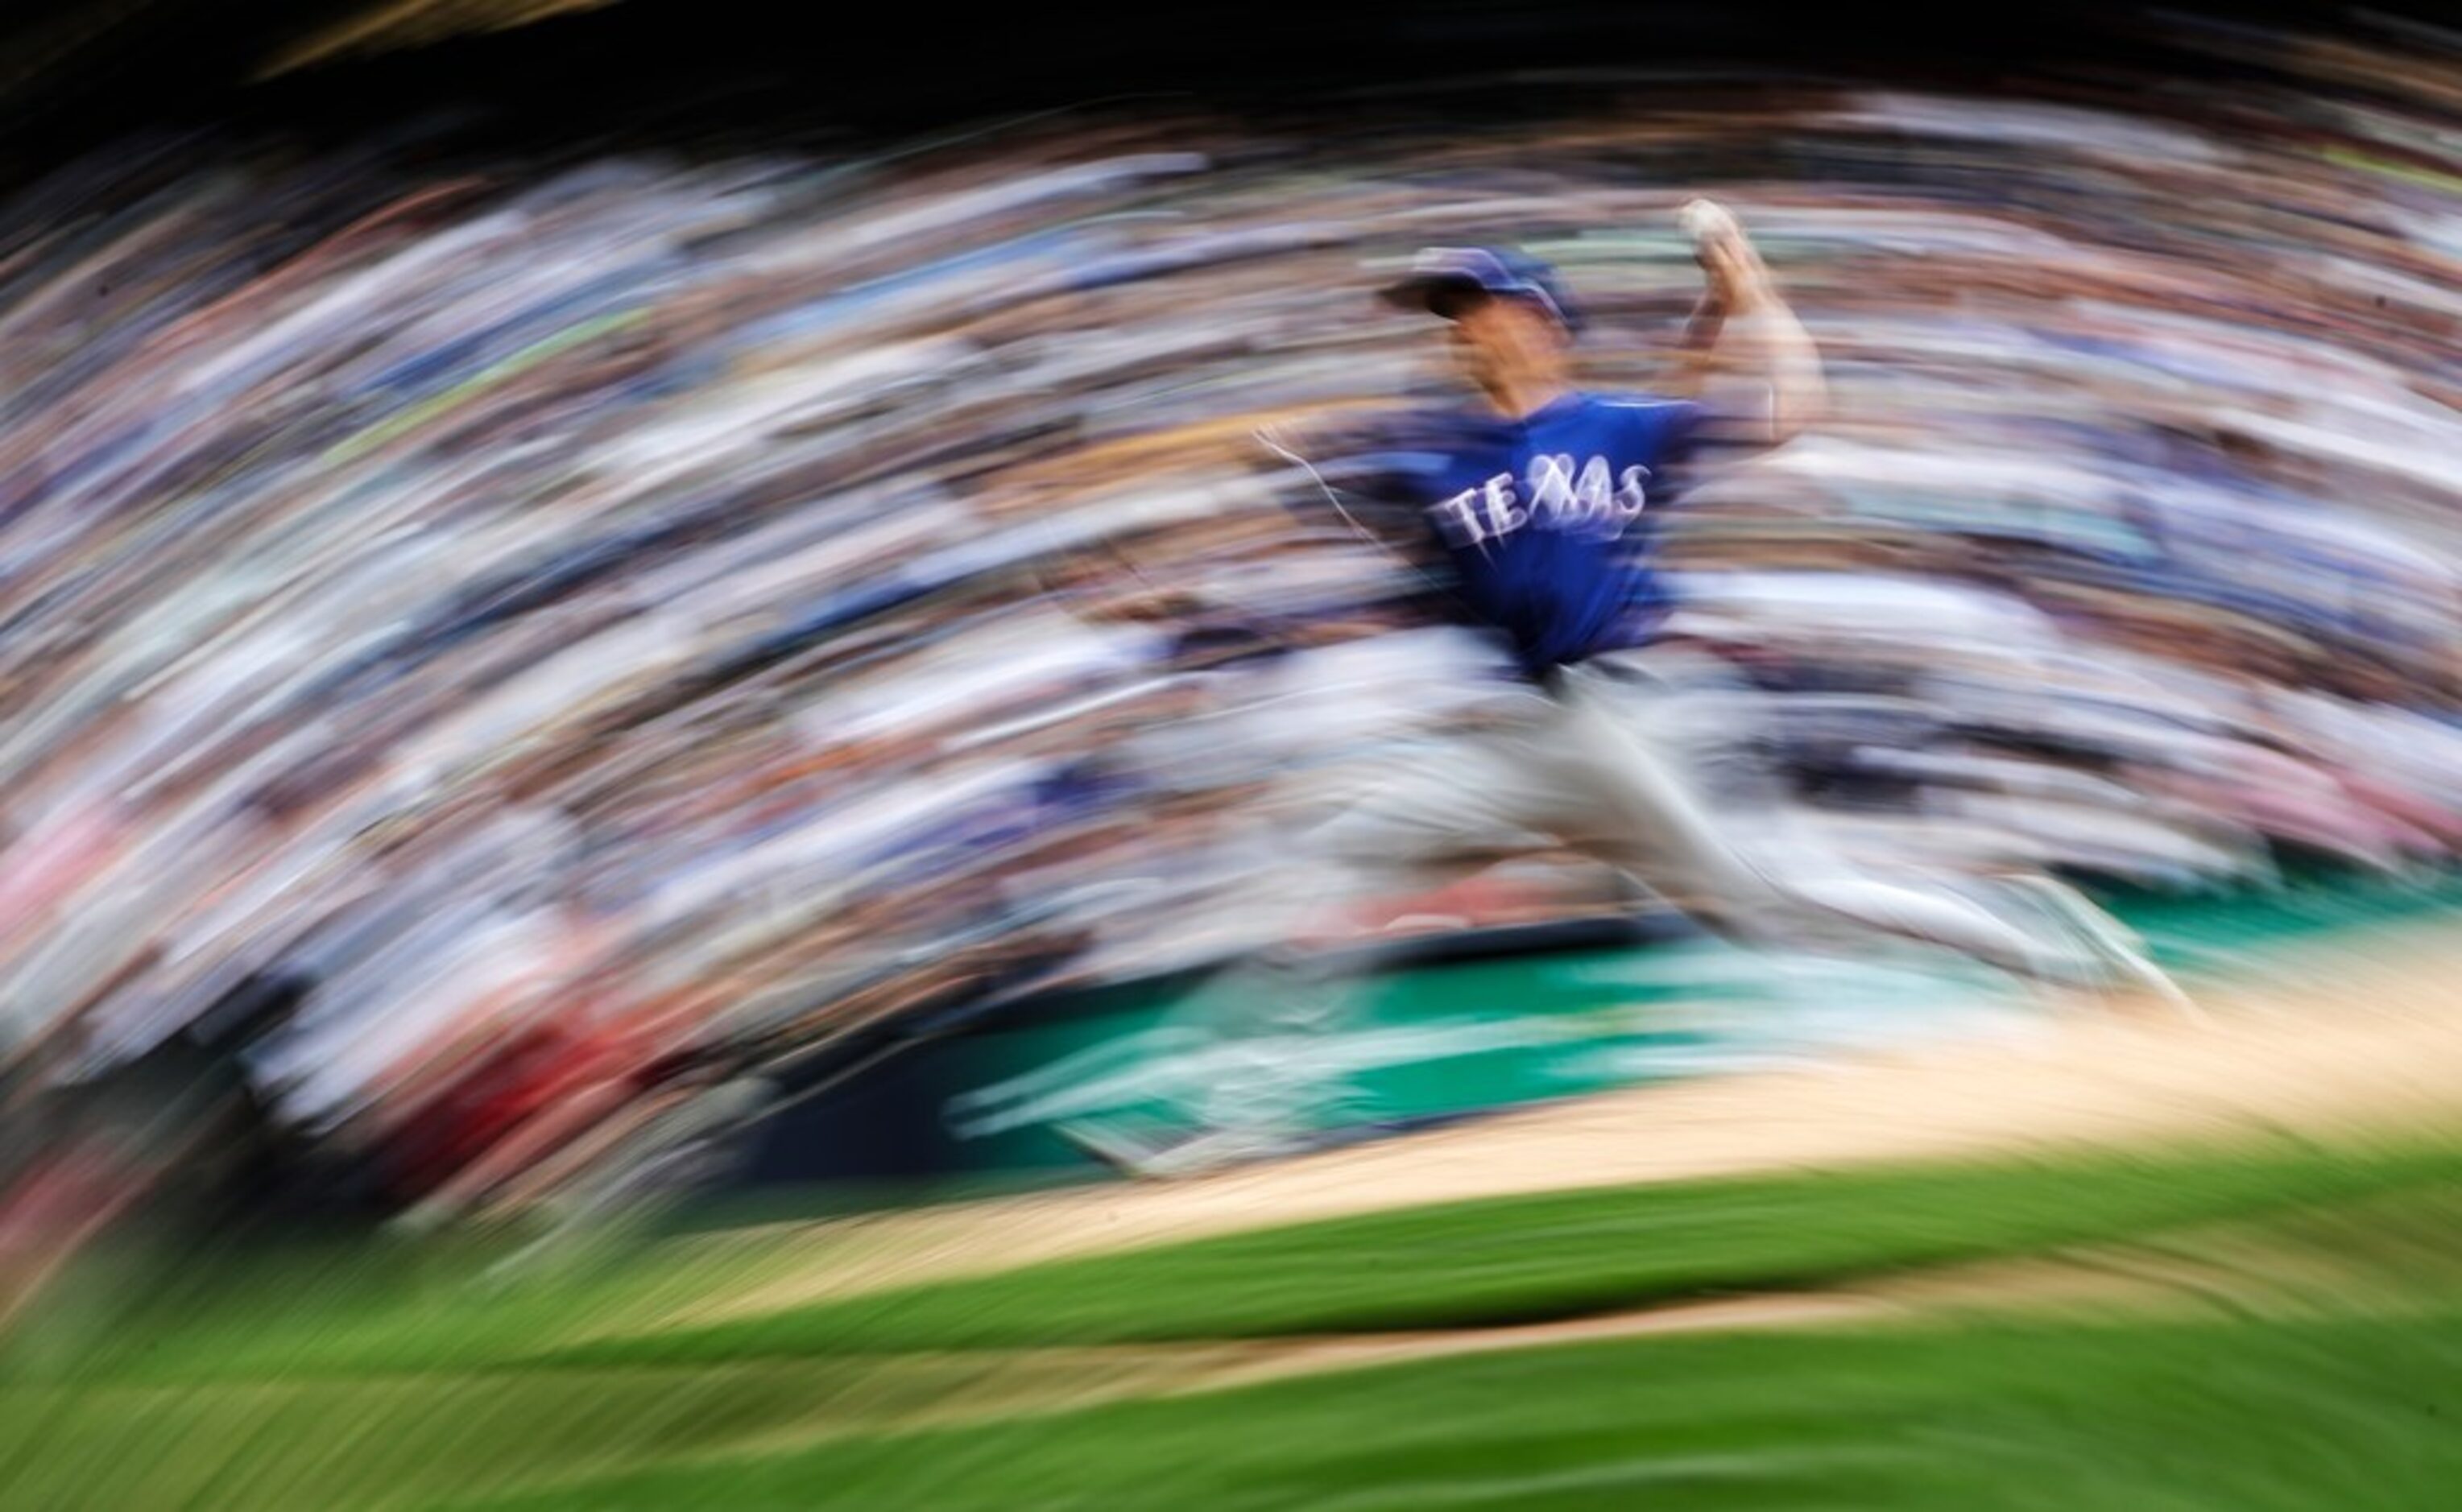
1542 519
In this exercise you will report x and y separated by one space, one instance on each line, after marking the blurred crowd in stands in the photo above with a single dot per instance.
573 634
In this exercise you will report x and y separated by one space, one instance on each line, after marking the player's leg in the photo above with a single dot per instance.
2116 953
1278 1018
1653 823
1633 805
1423 813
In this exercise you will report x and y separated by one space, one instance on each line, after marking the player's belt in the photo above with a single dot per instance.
1554 680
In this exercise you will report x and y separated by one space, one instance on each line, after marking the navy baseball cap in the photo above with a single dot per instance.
1439 270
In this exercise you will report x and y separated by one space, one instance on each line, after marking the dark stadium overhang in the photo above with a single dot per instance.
109 65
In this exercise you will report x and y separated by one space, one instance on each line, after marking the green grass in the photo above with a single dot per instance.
2239 1418
1566 1254
342 1314
310 1382
347 1310
418 1438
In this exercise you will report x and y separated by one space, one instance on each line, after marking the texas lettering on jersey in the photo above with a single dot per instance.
1591 502
1536 516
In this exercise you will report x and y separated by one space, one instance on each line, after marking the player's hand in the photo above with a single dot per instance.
1740 280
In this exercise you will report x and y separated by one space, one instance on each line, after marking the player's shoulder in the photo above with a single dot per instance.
1635 401
1446 434
1650 421
1440 419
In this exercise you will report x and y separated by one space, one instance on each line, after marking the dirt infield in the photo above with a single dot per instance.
2336 1041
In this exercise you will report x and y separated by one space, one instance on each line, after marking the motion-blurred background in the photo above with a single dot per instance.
577 581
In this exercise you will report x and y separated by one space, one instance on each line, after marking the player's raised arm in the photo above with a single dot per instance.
1757 368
